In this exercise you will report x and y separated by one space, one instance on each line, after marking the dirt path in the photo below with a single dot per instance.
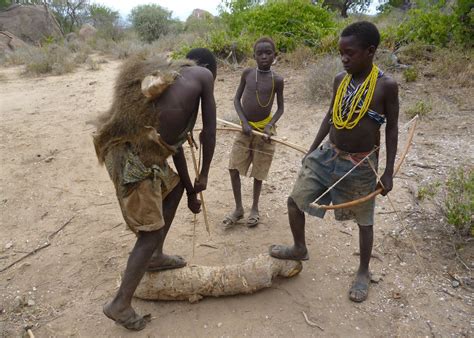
49 176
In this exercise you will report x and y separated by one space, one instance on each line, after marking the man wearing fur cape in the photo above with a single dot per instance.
155 106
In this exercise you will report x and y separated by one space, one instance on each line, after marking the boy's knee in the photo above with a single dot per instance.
290 202
179 188
234 172
366 228
148 240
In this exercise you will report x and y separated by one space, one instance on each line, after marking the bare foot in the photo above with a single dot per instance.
360 287
165 262
126 317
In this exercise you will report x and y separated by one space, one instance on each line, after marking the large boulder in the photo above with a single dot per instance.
10 42
87 32
200 14
31 24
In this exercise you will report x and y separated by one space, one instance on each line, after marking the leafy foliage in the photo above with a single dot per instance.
344 6
70 14
459 203
420 108
291 23
410 74
438 26
106 21
151 21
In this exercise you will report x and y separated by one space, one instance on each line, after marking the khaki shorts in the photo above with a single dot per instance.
142 208
253 150
141 202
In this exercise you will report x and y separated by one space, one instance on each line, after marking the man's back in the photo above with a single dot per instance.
179 104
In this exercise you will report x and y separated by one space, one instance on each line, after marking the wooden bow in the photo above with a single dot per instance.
379 190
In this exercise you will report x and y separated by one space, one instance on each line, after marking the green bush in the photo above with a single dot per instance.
410 74
428 191
106 21
290 23
434 24
151 21
459 203
420 108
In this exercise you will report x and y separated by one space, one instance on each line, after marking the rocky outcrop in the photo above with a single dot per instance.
10 43
32 24
200 14
87 32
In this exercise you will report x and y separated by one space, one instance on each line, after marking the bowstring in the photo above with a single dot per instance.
376 148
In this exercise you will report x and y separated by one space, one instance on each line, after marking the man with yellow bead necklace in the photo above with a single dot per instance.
253 103
364 98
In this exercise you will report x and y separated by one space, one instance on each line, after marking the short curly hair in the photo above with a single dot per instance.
366 33
204 58
264 39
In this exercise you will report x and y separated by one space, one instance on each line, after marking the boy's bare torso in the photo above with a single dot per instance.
366 134
252 109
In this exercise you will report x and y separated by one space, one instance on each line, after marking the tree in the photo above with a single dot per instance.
71 14
344 6
106 20
235 6
102 16
151 21
400 4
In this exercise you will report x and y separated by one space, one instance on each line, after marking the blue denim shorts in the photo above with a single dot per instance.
321 169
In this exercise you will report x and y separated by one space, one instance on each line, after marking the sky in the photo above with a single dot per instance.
180 8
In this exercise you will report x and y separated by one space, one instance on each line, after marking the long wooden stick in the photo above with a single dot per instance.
196 170
236 127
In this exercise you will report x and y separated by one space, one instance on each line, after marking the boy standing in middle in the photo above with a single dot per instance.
253 102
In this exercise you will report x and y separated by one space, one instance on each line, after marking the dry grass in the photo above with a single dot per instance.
92 63
320 78
54 59
451 65
454 67
172 42
415 52
302 56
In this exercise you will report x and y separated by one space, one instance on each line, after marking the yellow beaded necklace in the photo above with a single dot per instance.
337 114
256 88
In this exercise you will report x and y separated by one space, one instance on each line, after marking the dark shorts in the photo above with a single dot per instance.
321 169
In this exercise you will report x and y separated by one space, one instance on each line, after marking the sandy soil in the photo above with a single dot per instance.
49 178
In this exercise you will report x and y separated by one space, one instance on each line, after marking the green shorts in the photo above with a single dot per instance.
321 169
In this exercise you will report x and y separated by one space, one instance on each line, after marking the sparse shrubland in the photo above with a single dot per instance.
306 34
459 200
320 78
454 198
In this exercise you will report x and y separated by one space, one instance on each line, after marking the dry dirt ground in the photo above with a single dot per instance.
49 178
